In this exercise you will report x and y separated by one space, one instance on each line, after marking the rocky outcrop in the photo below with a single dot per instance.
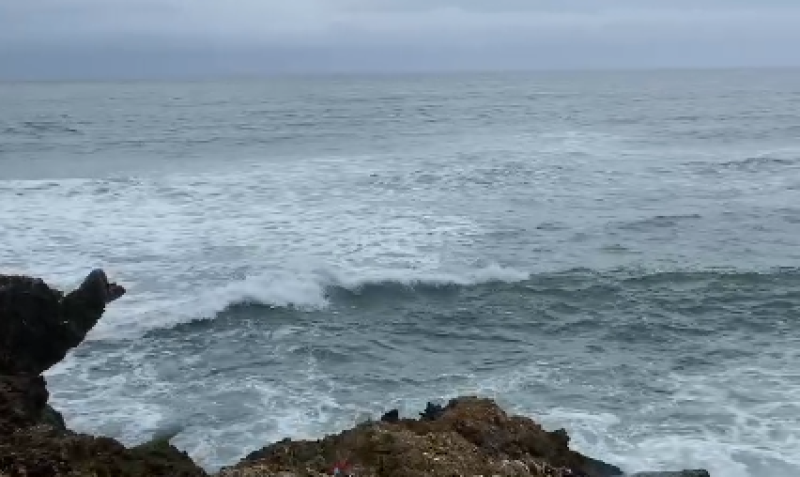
38 327
45 451
469 436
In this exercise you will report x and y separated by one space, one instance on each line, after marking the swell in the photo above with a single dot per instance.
40 128
658 221
768 162
317 290
285 296
760 161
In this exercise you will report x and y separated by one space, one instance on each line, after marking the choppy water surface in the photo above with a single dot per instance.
616 254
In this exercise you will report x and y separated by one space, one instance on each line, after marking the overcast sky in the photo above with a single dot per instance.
152 38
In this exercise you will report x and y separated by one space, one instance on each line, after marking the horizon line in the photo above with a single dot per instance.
381 74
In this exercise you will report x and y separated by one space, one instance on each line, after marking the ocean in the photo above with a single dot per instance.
615 253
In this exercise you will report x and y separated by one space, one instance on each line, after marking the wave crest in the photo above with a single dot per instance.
760 161
317 290
312 291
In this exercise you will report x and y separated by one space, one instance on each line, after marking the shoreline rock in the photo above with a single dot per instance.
469 436
38 327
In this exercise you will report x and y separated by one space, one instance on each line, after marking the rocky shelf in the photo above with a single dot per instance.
469 436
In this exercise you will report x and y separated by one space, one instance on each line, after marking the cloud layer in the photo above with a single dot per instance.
367 34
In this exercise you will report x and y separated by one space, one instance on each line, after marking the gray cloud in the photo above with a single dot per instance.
353 34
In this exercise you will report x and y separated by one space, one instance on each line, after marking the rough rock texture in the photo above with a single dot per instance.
470 436
45 451
38 327
23 400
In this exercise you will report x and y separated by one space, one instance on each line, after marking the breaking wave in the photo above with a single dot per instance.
293 291
759 162
766 161
313 291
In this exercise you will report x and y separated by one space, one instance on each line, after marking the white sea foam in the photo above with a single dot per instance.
742 424
301 405
308 403
110 409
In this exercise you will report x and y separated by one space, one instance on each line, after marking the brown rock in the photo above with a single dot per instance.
472 436
47 452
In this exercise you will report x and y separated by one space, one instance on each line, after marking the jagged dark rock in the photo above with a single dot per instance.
391 417
52 418
601 469
593 467
39 325
432 412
